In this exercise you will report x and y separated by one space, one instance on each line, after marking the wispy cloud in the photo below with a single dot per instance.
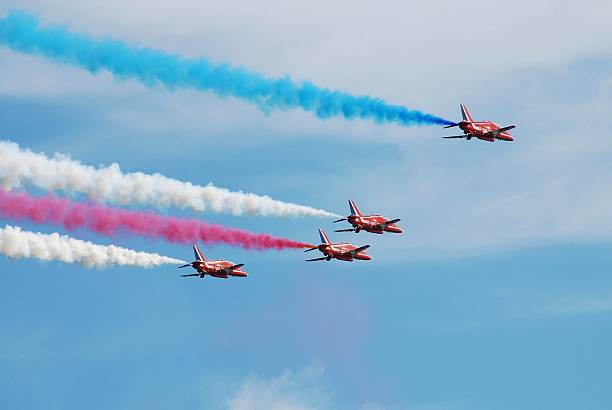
550 304
307 389
292 390
529 305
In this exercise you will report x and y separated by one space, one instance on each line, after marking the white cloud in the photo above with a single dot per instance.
300 390
305 389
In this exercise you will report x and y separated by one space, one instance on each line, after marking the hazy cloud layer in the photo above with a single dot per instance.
522 68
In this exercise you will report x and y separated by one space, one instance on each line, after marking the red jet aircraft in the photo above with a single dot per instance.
218 269
370 223
483 130
342 251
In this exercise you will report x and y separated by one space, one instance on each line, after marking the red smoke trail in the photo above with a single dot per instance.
109 221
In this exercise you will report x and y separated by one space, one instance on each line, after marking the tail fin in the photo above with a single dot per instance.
198 253
354 209
324 238
465 113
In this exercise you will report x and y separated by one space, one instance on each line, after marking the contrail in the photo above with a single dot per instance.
109 221
21 32
521 195
19 167
18 244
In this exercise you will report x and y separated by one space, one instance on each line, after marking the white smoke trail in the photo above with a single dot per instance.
18 244
110 185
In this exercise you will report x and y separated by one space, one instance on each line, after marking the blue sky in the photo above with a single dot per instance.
498 295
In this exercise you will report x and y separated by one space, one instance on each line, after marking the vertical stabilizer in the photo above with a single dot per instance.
466 114
198 253
324 238
354 209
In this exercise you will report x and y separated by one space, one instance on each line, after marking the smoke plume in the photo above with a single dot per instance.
20 167
21 32
109 221
17 244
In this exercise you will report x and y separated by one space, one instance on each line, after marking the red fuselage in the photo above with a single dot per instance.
342 251
373 223
484 130
218 269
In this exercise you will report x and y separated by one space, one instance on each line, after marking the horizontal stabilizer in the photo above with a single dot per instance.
312 249
345 230
191 274
316 259
184 266
451 126
339 220
456 136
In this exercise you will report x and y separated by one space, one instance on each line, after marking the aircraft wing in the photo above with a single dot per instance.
495 133
385 224
506 128
361 248
392 221
229 269
356 250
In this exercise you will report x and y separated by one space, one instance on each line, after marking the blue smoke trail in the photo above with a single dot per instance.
20 32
